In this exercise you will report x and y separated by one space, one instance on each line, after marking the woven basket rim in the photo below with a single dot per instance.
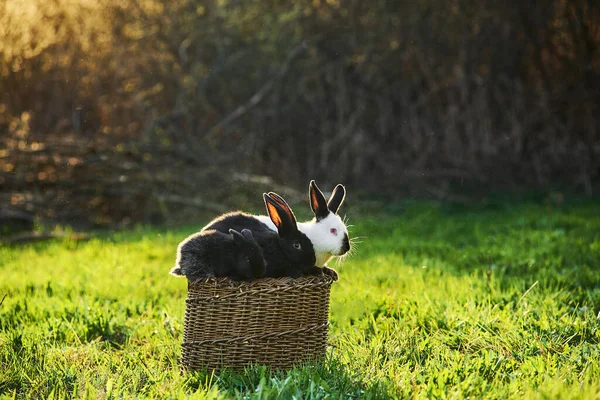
262 283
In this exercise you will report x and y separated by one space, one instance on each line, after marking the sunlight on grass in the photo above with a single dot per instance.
435 302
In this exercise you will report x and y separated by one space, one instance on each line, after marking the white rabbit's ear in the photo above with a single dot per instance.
318 204
337 198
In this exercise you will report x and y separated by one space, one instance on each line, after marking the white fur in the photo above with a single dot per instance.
325 243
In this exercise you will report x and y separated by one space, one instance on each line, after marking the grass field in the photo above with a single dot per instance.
438 301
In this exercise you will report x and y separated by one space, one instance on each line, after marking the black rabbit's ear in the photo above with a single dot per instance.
281 215
337 198
247 233
238 238
274 196
272 210
285 207
318 204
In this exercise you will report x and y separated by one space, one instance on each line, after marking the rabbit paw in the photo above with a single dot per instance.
331 272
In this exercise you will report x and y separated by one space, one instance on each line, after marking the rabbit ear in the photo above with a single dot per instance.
281 214
318 204
284 206
337 198
277 198
238 238
247 233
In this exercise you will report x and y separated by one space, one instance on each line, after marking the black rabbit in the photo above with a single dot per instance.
287 252
214 253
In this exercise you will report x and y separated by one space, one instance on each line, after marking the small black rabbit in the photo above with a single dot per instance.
287 252
212 253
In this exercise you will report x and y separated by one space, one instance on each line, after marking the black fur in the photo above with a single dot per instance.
237 220
282 257
345 244
213 253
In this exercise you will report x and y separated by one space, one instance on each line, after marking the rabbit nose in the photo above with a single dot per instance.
345 244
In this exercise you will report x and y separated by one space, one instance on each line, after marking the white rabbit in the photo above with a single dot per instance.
326 230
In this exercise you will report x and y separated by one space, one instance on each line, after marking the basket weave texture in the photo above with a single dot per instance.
271 321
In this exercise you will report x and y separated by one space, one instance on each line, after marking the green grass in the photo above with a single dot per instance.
437 302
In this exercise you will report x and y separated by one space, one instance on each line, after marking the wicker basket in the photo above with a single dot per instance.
274 322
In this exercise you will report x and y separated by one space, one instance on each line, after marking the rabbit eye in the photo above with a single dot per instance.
297 245
333 231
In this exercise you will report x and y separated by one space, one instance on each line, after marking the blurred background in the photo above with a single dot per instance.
117 112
